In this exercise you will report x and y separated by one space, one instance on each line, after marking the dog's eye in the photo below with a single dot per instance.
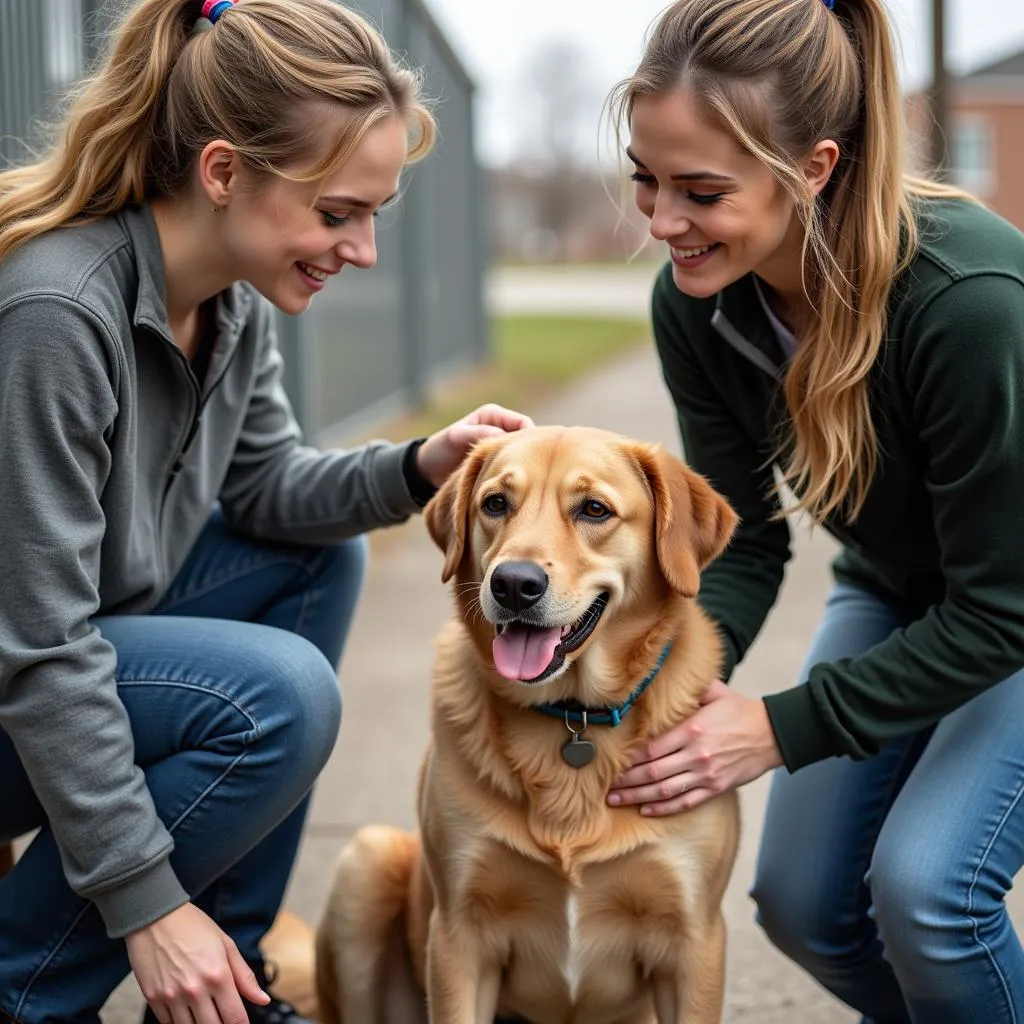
593 509
495 505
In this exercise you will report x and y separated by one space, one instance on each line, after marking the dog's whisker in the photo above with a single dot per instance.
585 620
592 614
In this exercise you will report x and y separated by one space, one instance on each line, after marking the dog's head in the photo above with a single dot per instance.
553 530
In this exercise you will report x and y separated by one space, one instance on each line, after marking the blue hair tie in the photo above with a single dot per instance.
213 9
829 3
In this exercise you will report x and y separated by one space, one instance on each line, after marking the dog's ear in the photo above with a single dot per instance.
692 522
447 514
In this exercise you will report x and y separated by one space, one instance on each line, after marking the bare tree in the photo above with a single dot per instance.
560 104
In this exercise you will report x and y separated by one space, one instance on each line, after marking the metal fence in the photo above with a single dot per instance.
373 341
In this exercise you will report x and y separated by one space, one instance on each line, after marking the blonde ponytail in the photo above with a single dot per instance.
99 162
780 76
133 130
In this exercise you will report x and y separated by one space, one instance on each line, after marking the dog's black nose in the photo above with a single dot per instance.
518 585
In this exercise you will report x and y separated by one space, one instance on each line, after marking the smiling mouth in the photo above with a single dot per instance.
693 253
531 652
314 272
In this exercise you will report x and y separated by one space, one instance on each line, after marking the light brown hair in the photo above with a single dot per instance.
781 76
255 79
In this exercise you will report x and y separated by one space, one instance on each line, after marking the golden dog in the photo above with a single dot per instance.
576 556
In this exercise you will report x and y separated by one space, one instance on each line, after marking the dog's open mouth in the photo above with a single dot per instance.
530 653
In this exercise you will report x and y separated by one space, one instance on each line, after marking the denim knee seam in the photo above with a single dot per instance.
57 947
205 793
969 909
256 730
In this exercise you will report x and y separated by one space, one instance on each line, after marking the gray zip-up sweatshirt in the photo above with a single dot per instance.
110 461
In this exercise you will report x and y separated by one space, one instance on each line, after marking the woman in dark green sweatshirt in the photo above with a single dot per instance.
829 322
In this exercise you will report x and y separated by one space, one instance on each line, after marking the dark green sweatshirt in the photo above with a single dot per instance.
942 531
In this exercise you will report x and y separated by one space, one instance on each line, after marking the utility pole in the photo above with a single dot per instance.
939 92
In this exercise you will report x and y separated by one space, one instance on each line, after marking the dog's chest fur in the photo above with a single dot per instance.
581 904
585 942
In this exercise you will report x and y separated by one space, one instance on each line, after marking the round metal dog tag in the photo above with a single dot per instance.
578 752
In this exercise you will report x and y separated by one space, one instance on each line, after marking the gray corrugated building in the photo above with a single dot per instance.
374 339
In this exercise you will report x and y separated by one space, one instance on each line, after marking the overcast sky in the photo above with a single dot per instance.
495 39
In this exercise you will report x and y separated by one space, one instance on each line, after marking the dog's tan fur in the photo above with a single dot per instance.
289 947
525 894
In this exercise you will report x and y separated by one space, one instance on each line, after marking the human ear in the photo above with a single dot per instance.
820 164
218 168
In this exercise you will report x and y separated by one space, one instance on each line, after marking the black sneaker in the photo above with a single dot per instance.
277 1011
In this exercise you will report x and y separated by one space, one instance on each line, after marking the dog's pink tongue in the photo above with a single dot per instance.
523 652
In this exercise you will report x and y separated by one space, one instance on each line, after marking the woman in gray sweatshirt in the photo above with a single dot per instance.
179 570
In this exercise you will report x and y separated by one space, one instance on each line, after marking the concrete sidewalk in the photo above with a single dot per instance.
594 290
371 776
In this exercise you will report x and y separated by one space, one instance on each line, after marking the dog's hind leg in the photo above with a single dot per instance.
361 932
405 1001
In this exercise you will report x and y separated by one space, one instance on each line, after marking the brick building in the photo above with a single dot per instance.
986 134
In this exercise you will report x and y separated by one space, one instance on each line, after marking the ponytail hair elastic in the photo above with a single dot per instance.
829 3
213 9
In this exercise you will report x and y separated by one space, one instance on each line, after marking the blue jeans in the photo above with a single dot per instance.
231 687
885 878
